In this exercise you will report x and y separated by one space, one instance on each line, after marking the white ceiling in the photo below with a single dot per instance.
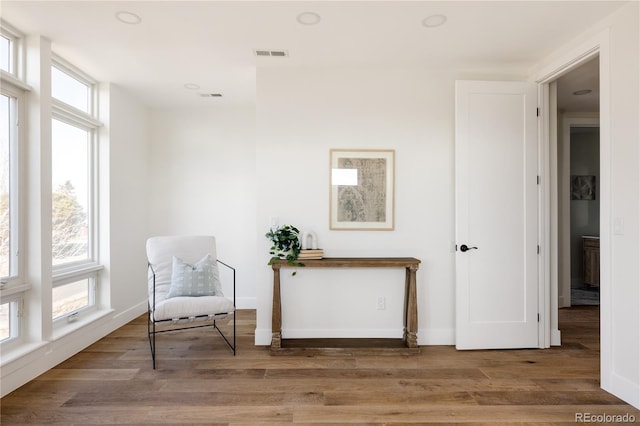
585 77
211 43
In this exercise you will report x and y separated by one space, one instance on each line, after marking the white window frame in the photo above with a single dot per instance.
92 304
16 306
67 273
15 281
16 73
12 288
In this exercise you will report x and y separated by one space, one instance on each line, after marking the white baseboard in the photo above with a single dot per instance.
437 337
341 333
625 389
46 355
556 338
262 337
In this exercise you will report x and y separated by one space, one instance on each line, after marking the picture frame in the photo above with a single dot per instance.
583 187
362 189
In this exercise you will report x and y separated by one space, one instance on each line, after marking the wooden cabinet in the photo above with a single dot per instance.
591 260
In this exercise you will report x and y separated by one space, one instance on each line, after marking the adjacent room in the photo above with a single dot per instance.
462 177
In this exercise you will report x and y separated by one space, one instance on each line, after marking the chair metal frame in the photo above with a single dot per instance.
151 323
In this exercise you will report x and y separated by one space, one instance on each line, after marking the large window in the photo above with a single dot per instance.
11 50
71 181
9 231
6 53
9 319
5 183
11 286
74 163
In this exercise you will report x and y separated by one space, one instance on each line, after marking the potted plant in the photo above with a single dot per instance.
285 245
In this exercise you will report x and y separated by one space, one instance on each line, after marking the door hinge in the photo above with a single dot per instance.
537 112
538 249
538 317
538 179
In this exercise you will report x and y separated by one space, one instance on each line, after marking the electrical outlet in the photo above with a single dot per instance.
381 305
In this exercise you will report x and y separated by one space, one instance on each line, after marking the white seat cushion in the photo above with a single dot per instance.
188 307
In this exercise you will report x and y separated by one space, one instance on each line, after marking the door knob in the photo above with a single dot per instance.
464 248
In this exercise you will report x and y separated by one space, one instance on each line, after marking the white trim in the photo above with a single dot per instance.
437 336
17 191
8 291
626 389
564 240
17 60
68 275
8 78
262 337
544 223
66 328
74 116
347 333
84 78
595 46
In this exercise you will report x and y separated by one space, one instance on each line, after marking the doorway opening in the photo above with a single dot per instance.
578 153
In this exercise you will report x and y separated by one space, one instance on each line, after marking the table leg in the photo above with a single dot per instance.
276 311
411 309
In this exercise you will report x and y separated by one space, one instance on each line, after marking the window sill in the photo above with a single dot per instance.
14 289
18 351
70 327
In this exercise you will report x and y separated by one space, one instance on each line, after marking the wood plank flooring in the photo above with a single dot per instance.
198 381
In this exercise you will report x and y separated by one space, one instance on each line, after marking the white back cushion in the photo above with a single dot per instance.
160 253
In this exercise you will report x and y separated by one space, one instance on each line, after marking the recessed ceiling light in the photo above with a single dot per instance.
128 17
582 92
308 18
434 21
191 86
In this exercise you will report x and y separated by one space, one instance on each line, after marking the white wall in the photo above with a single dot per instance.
203 181
624 371
128 135
619 40
301 114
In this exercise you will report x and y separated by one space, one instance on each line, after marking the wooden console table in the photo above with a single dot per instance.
410 264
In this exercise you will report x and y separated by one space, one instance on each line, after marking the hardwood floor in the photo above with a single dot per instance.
198 381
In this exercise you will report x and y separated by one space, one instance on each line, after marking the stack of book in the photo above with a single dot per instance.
311 254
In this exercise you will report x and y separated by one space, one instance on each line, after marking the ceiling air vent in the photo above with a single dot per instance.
280 53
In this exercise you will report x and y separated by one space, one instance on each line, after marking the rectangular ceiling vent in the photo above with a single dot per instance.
279 53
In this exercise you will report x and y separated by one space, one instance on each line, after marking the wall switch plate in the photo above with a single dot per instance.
381 304
618 226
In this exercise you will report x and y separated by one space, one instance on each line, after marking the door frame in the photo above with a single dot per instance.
598 45
564 230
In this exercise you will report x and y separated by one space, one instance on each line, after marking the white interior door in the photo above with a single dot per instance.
496 215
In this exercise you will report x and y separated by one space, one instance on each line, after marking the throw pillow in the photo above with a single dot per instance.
192 280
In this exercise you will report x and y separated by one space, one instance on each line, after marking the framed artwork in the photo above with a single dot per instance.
361 189
583 187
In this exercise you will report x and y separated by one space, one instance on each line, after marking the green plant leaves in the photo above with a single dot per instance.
286 245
